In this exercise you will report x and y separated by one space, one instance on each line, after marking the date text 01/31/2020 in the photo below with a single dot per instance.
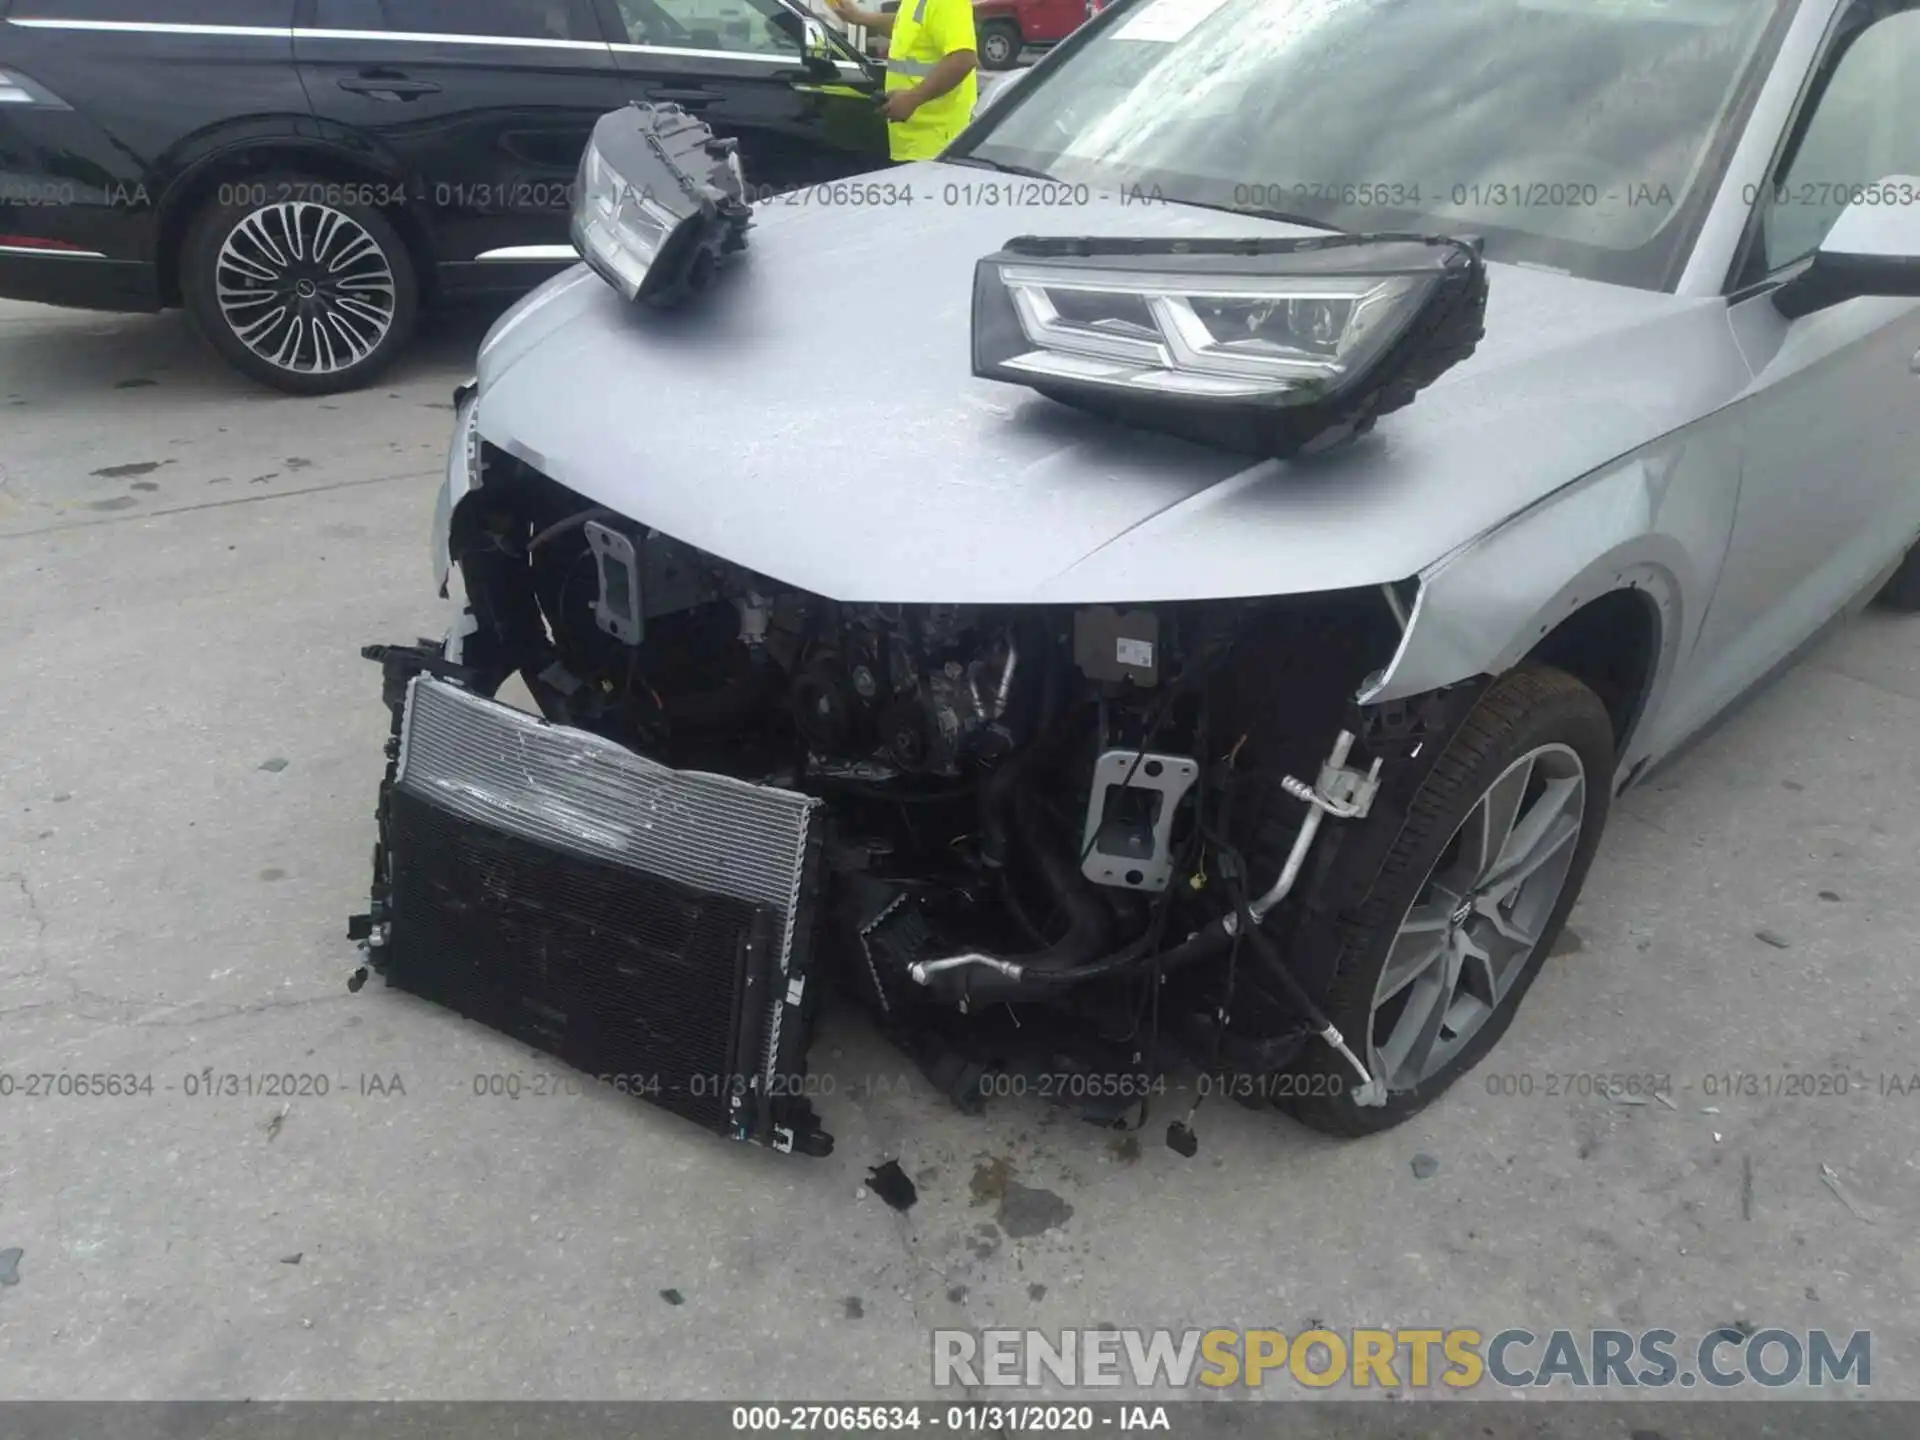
971 1419
1638 1087
199 1084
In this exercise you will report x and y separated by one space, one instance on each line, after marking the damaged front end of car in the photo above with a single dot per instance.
1088 839
1069 838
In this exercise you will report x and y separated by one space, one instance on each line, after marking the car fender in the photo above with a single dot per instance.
1657 522
182 165
183 169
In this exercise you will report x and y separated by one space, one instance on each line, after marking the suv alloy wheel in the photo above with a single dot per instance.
297 286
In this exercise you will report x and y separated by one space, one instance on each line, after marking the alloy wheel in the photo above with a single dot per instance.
305 287
1478 917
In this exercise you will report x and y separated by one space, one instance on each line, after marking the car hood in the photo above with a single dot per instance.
814 418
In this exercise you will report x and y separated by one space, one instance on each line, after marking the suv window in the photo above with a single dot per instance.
1864 128
742 27
495 19
275 13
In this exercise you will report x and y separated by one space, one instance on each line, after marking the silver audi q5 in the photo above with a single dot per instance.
1175 583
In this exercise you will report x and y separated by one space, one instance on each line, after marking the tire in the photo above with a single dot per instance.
999 42
297 335
1901 593
1533 712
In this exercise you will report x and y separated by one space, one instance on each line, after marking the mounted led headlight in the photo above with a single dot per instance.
1264 345
661 203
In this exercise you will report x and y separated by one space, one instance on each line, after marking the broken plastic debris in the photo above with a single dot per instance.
891 1184
1773 938
1665 1099
273 766
10 1265
1843 1194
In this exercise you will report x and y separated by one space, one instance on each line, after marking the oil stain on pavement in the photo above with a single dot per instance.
1024 1210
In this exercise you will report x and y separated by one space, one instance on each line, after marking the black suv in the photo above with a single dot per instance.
302 175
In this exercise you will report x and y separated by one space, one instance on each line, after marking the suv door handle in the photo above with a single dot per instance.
388 85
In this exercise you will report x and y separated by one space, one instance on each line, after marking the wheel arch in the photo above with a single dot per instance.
1611 644
243 158
1007 19
1581 582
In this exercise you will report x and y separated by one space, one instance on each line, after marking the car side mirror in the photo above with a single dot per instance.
820 56
1873 249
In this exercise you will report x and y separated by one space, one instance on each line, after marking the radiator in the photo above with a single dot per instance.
649 926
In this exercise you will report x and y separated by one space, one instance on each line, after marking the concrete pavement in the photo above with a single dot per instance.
189 748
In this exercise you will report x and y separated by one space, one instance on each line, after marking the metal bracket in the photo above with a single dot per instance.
1344 793
619 608
1114 773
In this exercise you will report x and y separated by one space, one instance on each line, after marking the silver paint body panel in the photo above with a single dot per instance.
815 418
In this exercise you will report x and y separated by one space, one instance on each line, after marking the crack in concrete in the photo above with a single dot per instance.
35 914
158 513
1879 686
141 1014
114 1010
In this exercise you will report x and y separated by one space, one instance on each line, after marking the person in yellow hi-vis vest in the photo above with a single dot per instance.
931 86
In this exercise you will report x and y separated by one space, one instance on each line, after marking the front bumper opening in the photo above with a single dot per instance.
646 925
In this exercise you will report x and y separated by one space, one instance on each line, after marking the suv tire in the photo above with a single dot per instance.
1535 755
1901 593
999 42
298 284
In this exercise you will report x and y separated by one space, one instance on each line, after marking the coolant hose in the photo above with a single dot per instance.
1089 921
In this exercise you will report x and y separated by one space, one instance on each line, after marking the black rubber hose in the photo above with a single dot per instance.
1277 967
1089 920
1206 944
996 805
998 789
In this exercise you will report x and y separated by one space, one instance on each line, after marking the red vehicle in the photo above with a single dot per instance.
1003 28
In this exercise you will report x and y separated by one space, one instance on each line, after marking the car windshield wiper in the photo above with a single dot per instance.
982 163
1282 217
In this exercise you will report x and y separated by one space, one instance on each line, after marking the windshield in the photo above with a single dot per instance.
1582 135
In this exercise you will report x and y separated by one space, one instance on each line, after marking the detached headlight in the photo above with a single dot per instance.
660 205
1264 345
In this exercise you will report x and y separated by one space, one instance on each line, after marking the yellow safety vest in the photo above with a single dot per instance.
925 32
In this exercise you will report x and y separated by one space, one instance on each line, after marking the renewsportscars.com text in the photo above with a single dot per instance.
1407 1358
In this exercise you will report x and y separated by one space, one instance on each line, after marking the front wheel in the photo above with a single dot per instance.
1467 904
310 297
1901 593
999 45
